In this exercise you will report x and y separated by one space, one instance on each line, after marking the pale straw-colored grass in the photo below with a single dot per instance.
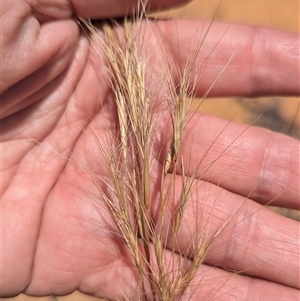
130 161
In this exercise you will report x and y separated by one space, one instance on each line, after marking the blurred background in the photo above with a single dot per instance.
277 113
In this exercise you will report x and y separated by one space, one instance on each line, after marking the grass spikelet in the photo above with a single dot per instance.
132 199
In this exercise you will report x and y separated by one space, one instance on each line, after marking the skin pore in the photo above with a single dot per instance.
53 239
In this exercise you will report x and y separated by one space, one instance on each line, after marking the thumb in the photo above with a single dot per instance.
35 49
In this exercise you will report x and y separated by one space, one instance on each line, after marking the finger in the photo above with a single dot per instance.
242 235
216 284
38 52
259 60
99 263
98 9
226 59
255 161
210 283
114 277
39 42
249 161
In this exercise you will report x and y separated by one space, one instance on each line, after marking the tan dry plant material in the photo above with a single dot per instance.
130 161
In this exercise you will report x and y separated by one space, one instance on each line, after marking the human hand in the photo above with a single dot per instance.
54 238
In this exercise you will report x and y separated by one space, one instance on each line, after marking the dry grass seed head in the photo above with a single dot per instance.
130 165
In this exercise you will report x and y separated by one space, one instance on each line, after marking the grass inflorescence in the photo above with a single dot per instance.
148 209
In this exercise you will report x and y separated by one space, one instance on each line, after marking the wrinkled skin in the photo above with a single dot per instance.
55 237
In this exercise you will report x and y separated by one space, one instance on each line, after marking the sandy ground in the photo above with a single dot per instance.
273 13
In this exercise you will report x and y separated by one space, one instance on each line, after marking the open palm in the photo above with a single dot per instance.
56 237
